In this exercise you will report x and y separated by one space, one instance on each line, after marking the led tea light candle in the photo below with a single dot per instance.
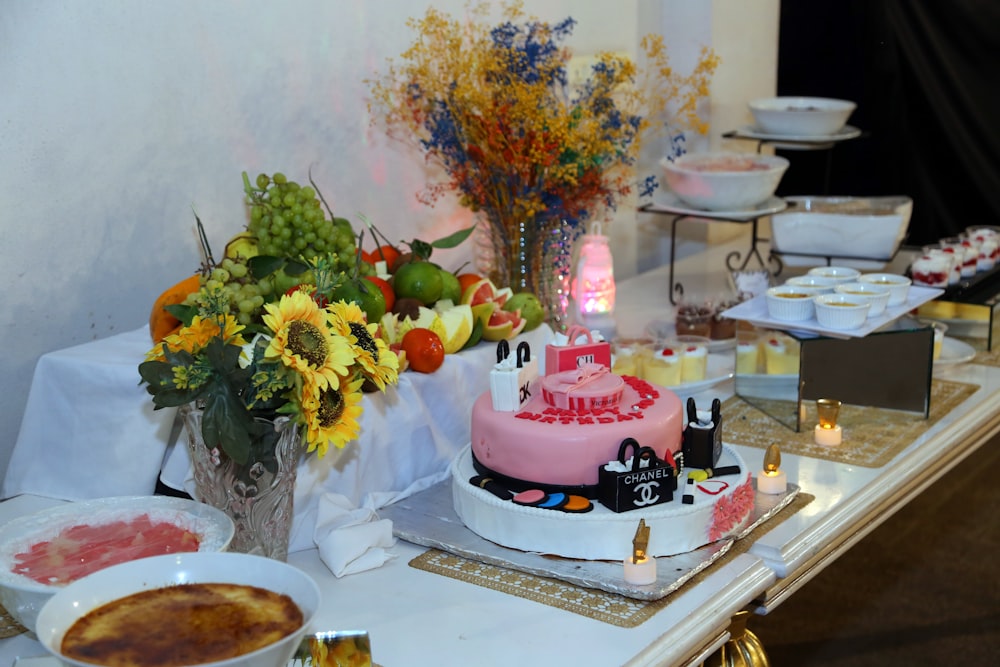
772 480
640 569
828 432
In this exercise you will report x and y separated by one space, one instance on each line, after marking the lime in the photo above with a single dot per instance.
530 307
450 287
418 280
367 295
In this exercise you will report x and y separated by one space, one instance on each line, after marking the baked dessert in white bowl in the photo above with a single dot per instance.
838 274
822 284
791 303
898 285
841 311
181 610
876 295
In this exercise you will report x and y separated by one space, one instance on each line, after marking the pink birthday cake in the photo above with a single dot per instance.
584 454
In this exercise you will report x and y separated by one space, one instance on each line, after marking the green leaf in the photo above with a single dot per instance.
421 249
226 423
294 267
476 336
184 313
262 266
453 240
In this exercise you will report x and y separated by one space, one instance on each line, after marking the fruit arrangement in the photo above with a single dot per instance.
293 241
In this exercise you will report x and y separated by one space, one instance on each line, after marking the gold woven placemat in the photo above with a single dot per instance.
872 436
984 358
599 605
8 626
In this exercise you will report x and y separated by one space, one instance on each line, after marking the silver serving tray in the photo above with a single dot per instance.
428 518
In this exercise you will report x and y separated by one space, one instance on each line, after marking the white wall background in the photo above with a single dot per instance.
119 116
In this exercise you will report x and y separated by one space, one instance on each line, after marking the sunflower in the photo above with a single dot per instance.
194 337
331 415
304 343
376 361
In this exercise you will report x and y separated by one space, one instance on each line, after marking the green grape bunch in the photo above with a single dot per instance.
229 283
288 221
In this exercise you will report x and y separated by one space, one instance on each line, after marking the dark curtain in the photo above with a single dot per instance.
926 77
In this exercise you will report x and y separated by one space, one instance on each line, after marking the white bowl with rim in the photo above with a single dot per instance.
840 274
898 285
822 284
791 303
801 116
118 581
876 295
724 181
841 311
24 596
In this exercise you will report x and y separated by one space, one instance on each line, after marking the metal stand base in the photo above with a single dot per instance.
732 259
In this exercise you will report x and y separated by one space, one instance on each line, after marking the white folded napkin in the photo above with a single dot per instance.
351 539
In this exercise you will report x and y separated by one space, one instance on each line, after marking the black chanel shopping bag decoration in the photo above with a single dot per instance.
702 437
645 481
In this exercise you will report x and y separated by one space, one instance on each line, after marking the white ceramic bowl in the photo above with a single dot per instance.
23 597
839 274
899 286
790 303
724 181
118 581
841 311
801 116
876 295
819 283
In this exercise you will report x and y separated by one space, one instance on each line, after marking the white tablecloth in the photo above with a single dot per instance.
90 431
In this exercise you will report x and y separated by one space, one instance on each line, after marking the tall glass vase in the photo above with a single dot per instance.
258 495
529 256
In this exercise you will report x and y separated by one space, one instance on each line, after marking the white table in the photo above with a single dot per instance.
420 618
89 431
416 617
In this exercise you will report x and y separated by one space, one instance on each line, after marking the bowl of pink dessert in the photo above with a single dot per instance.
43 552
724 181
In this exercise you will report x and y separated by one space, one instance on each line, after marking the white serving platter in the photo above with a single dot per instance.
755 312
843 134
954 351
665 201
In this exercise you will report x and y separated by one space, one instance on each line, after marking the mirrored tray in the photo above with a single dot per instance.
428 518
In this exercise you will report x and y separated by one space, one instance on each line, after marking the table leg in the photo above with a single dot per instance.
742 649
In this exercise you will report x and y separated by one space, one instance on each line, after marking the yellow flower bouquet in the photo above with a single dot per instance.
268 357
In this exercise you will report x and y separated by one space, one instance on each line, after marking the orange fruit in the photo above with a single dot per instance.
466 279
386 253
367 257
424 350
390 296
161 322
